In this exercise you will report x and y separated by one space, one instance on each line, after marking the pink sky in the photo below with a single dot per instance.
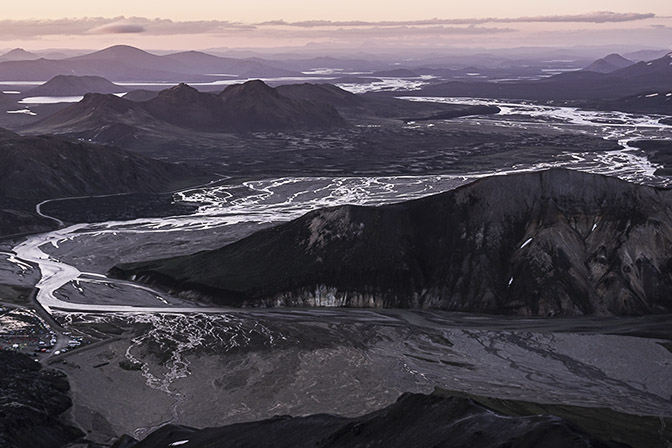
200 24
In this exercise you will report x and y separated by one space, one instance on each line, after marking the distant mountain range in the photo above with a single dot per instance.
556 242
126 63
649 76
70 85
609 63
18 54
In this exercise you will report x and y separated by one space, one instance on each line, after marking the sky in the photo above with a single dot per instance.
364 24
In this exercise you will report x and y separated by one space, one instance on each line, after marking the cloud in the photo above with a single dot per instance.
33 28
594 17
30 29
119 28
406 31
276 31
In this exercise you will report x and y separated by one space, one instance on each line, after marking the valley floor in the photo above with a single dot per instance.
211 370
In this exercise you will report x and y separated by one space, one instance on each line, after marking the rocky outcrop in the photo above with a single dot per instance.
31 401
556 242
414 420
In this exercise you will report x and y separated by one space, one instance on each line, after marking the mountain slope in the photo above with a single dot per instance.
105 118
68 85
14 221
556 242
643 103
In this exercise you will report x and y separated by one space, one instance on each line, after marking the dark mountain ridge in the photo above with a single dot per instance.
556 242
34 169
252 106
414 420
45 167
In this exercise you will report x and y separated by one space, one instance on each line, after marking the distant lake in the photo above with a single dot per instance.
55 99
50 99
22 111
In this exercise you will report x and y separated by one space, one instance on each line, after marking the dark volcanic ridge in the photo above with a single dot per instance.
47 167
556 242
35 169
249 107
414 420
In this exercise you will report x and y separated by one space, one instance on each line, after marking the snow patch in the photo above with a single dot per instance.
22 111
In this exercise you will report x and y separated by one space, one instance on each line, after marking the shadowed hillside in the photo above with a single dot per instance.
556 242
